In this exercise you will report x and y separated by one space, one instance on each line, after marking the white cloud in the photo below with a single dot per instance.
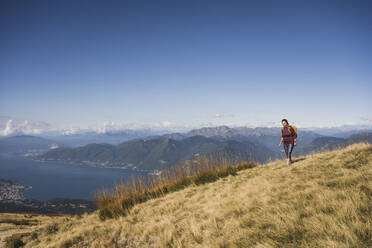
107 127
25 127
8 128
220 115
167 123
111 126
70 131
14 126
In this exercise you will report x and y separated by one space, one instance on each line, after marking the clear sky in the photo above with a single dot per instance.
186 62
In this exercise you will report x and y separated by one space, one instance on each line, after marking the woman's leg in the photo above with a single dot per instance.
290 152
286 149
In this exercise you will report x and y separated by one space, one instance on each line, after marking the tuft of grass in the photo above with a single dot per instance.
51 228
71 242
118 202
14 241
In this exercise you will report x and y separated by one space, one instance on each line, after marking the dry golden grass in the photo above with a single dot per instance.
322 200
121 199
16 224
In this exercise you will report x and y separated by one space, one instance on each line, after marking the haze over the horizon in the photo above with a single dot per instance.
186 63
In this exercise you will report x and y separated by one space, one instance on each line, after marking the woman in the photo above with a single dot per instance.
289 139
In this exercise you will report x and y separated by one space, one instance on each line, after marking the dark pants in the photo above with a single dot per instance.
288 150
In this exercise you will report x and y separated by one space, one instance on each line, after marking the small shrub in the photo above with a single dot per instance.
52 228
14 241
366 190
34 235
104 214
71 242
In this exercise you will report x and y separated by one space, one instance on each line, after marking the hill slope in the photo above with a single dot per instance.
322 200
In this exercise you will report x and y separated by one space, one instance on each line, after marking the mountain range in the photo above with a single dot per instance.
157 152
162 152
327 143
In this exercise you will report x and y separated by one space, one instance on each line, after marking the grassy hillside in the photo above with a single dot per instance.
322 200
17 225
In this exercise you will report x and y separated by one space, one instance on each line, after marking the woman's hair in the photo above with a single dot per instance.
285 120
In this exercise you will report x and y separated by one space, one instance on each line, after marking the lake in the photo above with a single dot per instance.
54 179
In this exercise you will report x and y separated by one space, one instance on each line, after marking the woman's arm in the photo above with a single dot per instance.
281 140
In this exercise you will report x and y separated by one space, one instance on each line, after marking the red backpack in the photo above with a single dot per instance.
289 129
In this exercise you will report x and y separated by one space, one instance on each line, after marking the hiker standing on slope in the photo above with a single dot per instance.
289 139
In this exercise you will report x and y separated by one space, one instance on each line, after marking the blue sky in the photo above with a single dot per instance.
186 62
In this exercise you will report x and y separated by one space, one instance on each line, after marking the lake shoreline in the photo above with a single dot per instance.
98 165
60 180
12 200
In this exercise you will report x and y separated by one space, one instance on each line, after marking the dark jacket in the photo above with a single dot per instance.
289 135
